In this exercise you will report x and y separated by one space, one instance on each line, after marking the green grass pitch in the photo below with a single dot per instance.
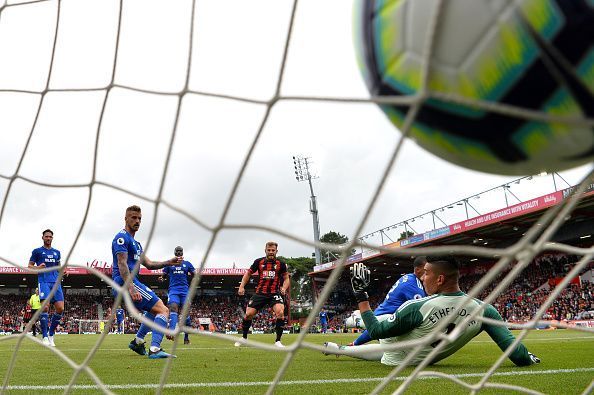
212 366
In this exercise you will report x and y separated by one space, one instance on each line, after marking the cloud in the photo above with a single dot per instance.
191 158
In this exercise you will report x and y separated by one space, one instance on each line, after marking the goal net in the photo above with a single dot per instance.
193 108
91 327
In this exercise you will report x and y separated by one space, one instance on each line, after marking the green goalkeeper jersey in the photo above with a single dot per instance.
417 318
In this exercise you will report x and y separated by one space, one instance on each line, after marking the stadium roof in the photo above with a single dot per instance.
497 229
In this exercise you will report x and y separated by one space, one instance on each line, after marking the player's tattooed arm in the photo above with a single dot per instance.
125 273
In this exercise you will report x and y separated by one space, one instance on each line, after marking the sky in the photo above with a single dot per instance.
236 50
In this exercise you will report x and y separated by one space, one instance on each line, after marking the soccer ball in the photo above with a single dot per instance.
531 54
355 320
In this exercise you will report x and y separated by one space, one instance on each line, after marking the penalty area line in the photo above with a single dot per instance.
544 339
180 348
292 382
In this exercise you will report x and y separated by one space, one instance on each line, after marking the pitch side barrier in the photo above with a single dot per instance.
554 324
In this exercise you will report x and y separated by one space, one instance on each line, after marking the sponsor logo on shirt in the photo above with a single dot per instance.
268 273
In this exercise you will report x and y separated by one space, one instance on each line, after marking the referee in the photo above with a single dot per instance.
35 304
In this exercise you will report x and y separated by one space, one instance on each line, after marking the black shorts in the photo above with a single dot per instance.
258 301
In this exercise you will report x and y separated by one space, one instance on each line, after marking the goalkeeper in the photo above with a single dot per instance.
407 287
417 319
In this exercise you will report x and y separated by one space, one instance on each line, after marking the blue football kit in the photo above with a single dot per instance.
406 288
50 257
123 242
178 290
120 319
324 321
178 281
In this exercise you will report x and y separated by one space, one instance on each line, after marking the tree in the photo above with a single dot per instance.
405 235
300 282
333 238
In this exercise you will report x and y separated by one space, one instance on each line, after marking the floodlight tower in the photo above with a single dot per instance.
302 174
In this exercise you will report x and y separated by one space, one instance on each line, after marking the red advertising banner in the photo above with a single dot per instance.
11 270
106 268
553 282
535 204
224 272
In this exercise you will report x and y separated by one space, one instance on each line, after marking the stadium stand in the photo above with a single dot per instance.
517 304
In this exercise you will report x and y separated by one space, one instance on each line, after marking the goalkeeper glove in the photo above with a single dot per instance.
360 278
534 358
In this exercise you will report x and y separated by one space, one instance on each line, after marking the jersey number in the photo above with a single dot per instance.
449 330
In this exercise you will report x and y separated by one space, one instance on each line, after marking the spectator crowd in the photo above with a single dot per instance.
519 302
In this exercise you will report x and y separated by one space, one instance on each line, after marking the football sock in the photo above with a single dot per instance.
160 320
280 325
362 339
172 320
144 329
189 325
43 323
54 324
246 327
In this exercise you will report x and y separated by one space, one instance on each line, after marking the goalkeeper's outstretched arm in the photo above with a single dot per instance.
401 322
503 337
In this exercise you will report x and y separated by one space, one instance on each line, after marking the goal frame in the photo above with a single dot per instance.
98 322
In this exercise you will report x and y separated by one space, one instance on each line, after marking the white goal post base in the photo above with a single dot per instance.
92 327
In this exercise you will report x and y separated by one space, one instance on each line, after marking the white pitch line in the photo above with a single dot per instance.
125 348
292 382
542 340
230 347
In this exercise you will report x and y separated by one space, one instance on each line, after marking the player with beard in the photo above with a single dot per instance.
273 284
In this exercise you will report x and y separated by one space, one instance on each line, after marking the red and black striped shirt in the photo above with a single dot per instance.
28 313
271 275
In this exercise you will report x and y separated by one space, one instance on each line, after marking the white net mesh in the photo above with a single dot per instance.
167 101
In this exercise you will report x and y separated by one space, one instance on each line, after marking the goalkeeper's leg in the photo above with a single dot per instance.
369 352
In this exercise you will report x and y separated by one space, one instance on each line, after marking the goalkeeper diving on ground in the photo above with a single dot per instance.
418 318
